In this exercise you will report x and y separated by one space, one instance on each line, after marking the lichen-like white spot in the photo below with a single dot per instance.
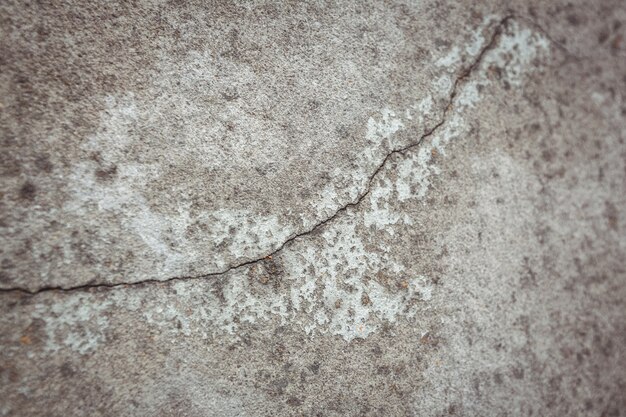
444 84
379 130
73 323
239 232
452 58
477 43
517 48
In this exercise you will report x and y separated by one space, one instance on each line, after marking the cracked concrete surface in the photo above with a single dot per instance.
362 208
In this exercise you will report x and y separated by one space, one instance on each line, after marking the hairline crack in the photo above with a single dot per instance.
463 75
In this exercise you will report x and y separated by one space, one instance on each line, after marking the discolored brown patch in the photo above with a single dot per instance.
612 215
28 191
106 174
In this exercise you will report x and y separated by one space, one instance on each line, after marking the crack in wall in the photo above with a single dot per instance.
464 74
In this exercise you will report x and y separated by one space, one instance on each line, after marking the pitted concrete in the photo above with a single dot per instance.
356 210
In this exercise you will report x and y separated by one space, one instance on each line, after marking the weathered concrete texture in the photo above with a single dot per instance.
372 209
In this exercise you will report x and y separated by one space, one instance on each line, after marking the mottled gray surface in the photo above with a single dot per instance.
262 209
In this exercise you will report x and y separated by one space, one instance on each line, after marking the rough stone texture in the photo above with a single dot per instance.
276 209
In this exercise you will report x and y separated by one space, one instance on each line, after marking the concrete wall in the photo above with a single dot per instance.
313 209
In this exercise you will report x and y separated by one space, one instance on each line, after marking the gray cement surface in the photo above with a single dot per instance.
313 209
